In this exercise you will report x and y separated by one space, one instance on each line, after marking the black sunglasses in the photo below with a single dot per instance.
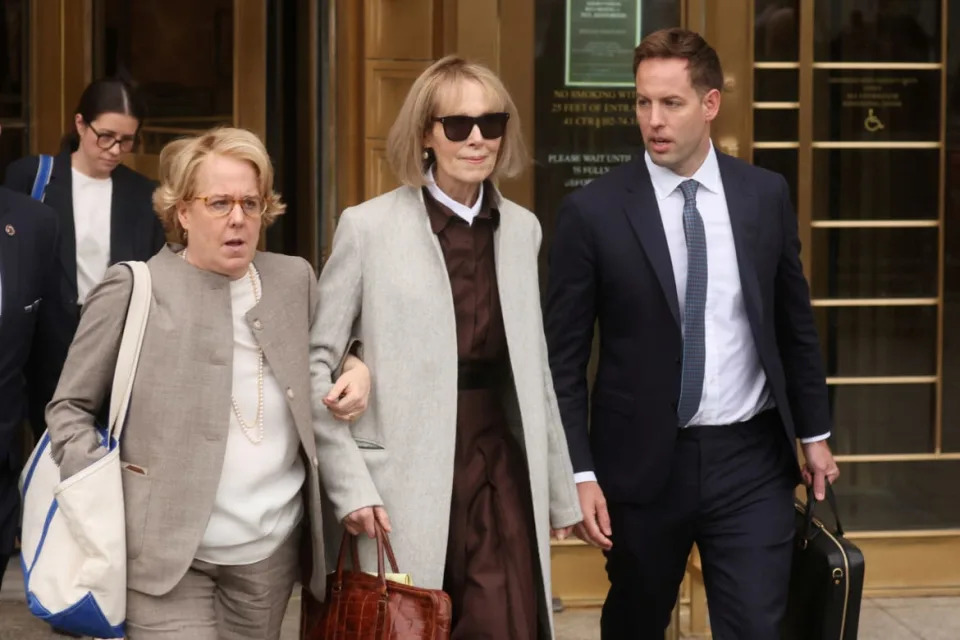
458 128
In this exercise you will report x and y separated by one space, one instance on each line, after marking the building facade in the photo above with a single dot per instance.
856 102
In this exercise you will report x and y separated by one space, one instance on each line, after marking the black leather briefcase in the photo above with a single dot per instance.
826 580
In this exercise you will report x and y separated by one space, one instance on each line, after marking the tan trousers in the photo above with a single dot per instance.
212 602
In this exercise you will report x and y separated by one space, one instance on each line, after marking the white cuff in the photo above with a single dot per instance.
584 476
813 439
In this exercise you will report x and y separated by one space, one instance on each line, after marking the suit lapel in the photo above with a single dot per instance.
9 266
643 212
59 197
122 223
744 217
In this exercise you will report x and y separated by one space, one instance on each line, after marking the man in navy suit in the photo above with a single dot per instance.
688 262
34 339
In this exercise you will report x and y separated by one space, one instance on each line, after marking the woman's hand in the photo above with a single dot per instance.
561 534
363 521
348 398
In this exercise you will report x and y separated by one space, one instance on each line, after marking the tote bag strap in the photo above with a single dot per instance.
44 169
133 330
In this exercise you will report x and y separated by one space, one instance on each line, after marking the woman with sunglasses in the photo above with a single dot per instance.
462 445
105 209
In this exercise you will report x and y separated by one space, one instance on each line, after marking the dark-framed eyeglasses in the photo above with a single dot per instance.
458 128
220 205
106 140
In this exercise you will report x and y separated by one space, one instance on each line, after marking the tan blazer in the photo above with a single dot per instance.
387 284
176 431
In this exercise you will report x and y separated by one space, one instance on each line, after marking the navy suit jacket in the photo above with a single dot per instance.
610 268
33 336
135 230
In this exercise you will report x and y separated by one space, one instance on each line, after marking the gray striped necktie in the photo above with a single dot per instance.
694 349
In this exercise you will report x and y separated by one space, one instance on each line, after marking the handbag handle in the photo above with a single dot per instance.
811 505
384 548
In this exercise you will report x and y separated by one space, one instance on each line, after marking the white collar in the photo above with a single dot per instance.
462 210
665 181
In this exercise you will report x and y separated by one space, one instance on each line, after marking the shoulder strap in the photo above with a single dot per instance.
130 343
44 169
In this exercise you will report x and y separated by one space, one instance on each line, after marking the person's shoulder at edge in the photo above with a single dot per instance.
752 172
508 207
20 174
281 261
386 204
18 202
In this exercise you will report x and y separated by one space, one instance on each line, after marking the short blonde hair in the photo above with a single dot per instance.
405 141
180 160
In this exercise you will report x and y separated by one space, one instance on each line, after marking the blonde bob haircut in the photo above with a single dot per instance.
405 149
181 159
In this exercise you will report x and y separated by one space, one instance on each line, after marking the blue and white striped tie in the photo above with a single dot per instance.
695 301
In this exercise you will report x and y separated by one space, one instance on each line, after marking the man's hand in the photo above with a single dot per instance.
819 467
363 521
348 397
595 528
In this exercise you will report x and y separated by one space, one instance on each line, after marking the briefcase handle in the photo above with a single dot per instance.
811 505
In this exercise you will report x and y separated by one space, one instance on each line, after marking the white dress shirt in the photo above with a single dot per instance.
91 222
734 384
462 210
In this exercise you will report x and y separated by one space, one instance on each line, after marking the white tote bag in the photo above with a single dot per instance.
73 544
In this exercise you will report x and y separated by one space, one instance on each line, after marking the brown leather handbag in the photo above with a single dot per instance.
361 606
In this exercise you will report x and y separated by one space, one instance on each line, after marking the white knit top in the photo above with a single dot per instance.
258 501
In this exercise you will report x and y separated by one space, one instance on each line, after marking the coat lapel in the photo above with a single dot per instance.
272 324
59 197
643 212
502 246
744 213
122 223
438 264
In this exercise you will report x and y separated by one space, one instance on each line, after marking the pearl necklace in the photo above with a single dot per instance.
255 433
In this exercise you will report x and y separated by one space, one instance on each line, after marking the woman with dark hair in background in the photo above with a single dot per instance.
105 209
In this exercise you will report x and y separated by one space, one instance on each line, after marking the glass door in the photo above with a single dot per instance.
182 56
14 101
852 104
849 105
584 122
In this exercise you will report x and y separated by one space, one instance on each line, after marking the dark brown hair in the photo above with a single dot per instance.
703 63
107 95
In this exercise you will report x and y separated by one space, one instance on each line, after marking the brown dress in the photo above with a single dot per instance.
490 570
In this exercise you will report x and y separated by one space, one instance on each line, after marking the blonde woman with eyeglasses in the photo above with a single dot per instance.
219 456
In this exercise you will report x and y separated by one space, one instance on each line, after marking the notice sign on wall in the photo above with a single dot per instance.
601 36
585 120
877 105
